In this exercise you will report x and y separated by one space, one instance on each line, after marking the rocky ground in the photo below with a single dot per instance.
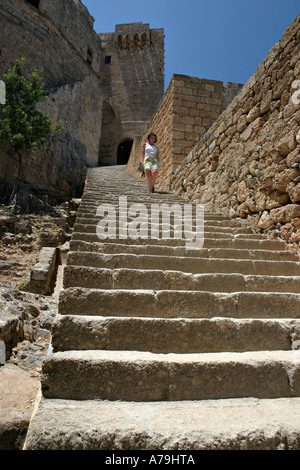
25 316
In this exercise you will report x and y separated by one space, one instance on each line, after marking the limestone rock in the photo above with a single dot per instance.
265 220
293 190
285 214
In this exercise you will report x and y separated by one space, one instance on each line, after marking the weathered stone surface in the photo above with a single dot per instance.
240 424
71 332
176 304
190 265
18 390
186 112
93 278
83 87
147 324
43 273
59 167
259 148
129 104
13 428
20 317
105 375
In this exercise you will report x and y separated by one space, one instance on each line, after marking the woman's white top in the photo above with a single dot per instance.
150 150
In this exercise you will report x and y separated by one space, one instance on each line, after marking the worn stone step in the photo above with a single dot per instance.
169 232
161 346
89 209
116 190
235 242
184 264
119 199
91 218
89 222
91 227
164 236
89 215
173 232
232 253
125 278
177 304
144 376
231 424
159 335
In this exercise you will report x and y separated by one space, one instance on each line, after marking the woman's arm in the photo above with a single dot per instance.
143 153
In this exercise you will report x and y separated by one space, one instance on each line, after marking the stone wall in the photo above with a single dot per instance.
79 104
57 170
247 164
73 20
132 81
162 121
57 37
187 110
106 86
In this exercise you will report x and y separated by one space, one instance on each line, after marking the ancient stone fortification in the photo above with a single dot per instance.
188 109
132 80
159 347
90 83
247 164
58 37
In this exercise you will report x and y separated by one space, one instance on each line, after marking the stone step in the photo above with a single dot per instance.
89 225
232 242
136 192
184 264
90 210
209 231
231 424
183 336
90 218
89 215
157 345
231 253
144 376
90 206
125 278
178 304
118 199
133 197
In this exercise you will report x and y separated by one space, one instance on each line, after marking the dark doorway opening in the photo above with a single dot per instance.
34 3
124 150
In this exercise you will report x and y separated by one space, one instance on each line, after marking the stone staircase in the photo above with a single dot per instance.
161 347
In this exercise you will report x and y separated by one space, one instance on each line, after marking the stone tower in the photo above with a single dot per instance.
132 85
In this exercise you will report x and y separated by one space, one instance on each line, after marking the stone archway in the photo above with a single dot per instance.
123 152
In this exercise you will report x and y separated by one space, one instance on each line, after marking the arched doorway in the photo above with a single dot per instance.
124 150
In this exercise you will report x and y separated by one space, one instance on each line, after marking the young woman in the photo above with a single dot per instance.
150 160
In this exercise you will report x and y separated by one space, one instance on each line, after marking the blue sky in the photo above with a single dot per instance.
215 39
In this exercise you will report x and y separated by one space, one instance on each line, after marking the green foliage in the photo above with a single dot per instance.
24 128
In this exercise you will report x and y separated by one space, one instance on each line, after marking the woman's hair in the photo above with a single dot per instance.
151 135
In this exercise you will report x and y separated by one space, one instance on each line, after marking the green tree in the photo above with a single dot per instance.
24 128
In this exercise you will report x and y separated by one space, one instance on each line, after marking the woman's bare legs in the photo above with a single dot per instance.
151 177
154 176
